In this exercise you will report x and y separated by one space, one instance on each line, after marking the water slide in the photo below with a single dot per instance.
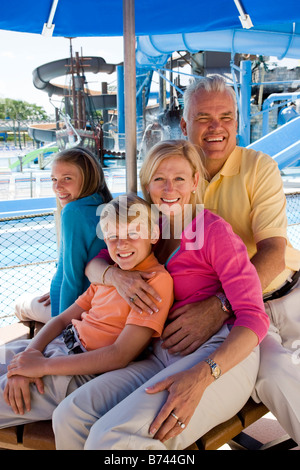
43 75
283 144
49 148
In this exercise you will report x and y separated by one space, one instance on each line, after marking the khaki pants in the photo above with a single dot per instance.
56 387
113 411
278 384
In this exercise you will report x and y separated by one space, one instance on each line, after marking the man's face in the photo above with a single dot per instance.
211 124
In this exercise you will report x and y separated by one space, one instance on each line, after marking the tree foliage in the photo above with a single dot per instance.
21 110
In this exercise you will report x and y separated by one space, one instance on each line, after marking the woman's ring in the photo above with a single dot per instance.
132 299
182 425
174 416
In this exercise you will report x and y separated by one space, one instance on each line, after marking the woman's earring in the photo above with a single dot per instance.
194 192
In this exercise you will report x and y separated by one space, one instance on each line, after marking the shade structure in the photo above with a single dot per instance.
74 18
105 17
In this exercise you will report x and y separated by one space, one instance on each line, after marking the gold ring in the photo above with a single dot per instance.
174 416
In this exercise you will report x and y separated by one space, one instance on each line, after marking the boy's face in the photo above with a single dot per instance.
129 244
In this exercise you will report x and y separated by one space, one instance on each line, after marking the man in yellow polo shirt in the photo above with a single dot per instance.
245 188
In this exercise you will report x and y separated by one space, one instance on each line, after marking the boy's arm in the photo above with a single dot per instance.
131 342
54 327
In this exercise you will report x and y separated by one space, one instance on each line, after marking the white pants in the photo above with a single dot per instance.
28 308
56 387
278 384
113 411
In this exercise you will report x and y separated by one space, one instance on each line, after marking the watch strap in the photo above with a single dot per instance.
225 304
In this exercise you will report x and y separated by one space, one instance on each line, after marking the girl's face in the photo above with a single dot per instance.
171 185
66 181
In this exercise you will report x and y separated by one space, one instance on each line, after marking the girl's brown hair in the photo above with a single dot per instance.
93 180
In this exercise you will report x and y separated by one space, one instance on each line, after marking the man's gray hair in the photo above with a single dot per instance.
215 83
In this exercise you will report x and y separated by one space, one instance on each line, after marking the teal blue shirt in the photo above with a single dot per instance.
79 243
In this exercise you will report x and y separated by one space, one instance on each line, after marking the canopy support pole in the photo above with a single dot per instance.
130 94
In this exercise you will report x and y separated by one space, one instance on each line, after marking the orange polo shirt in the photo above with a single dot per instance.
106 312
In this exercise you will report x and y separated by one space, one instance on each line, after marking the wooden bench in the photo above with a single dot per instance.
39 435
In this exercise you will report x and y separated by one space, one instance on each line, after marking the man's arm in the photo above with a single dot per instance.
269 261
130 343
195 323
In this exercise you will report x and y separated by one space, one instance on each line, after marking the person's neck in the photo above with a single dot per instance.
213 167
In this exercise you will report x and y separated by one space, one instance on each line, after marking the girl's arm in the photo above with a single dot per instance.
130 343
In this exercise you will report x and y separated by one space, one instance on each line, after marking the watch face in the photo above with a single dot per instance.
216 372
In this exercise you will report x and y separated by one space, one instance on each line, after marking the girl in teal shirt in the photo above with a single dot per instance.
80 188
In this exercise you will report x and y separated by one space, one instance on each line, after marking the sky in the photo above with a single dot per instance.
21 53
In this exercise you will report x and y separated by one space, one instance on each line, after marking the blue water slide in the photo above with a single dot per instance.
283 144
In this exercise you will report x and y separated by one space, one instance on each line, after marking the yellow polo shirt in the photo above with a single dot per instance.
248 193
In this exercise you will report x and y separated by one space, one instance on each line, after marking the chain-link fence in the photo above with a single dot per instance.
293 216
28 252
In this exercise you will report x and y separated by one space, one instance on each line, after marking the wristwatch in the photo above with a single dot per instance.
215 369
225 304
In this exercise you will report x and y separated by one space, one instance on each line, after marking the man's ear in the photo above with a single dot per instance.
183 126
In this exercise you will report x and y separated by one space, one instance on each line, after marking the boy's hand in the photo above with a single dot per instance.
29 363
17 392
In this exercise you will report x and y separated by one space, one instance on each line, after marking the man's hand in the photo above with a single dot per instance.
17 392
193 324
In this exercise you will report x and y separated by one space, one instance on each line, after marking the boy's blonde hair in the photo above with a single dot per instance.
126 209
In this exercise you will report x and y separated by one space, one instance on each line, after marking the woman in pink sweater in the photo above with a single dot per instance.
185 395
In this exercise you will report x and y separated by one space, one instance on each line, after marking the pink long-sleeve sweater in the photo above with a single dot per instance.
212 257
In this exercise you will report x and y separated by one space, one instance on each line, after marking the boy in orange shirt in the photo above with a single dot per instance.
100 324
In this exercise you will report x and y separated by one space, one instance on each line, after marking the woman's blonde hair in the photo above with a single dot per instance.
93 180
173 148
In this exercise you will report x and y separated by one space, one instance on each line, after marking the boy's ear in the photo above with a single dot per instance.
155 234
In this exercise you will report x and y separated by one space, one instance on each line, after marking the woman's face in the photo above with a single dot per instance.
171 185
66 181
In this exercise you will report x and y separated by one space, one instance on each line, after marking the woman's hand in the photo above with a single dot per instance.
29 363
132 286
185 392
45 299
191 325
17 392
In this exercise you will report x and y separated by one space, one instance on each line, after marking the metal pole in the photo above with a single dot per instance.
121 106
245 97
130 94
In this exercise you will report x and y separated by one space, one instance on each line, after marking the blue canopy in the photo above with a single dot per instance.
105 17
